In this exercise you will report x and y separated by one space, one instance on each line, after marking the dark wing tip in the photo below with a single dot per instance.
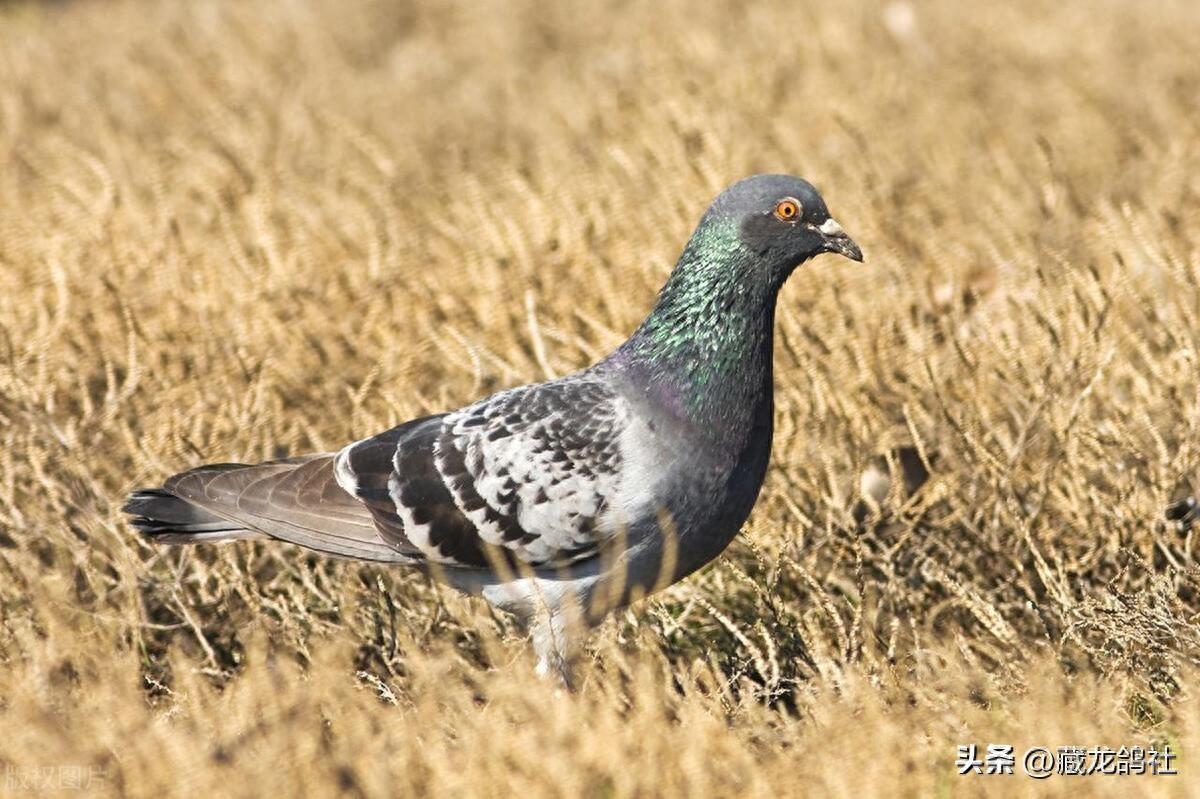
145 499
162 517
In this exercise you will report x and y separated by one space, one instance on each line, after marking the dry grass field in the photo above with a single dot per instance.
230 231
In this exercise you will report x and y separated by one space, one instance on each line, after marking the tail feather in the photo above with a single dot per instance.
164 518
297 500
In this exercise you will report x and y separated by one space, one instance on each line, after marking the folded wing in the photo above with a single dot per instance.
527 476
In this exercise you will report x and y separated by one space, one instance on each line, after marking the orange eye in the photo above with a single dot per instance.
788 209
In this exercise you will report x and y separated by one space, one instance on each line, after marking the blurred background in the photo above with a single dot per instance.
235 231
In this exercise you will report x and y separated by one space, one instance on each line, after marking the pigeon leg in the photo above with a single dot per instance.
552 646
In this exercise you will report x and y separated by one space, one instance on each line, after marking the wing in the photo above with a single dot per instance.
528 475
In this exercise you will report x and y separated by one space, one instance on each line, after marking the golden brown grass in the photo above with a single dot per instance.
231 230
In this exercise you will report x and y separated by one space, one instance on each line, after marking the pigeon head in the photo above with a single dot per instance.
705 348
781 221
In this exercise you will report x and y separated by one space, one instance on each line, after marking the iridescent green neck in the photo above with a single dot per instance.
707 344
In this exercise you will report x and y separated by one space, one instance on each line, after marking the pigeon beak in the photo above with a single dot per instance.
837 241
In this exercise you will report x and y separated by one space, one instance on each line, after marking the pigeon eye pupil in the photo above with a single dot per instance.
787 209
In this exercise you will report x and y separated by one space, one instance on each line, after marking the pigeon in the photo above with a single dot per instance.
1183 514
562 501
875 482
